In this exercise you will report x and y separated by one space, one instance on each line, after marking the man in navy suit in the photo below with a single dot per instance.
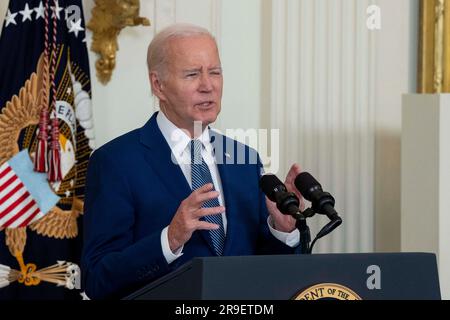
148 208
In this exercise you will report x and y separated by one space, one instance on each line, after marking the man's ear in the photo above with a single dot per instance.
157 85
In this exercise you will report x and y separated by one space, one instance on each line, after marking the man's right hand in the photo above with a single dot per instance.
187 218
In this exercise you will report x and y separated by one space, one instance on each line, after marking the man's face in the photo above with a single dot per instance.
192 87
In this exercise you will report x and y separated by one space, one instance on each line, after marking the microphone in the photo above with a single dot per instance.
322 202
276 191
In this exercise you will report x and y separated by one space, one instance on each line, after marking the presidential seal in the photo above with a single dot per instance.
327 291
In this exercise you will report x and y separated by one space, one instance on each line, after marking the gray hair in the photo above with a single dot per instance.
157 50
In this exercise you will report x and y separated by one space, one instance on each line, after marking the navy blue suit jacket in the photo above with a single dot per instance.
133 191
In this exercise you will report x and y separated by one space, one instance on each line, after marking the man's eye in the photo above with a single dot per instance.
191 75
216 73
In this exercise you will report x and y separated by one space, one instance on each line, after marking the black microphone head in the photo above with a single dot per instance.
270 185
307 184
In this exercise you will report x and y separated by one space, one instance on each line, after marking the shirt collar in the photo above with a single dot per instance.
177 139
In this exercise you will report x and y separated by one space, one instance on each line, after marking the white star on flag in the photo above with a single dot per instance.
26 13
56 10
75 27
40 11
10 18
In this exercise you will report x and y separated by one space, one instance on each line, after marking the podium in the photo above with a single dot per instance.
373 276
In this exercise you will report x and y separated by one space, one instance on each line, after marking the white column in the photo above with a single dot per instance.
425 219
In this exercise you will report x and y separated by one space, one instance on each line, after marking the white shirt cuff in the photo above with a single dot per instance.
291 239
168 254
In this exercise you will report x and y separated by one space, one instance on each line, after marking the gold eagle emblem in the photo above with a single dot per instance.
21 115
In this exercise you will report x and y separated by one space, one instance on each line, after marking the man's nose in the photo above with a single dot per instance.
205 83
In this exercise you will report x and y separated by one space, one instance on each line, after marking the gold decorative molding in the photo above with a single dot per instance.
434 47
109 17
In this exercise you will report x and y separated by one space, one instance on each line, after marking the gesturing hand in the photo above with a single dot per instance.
187 218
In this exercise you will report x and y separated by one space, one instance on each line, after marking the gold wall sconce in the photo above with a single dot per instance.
109 17
434 47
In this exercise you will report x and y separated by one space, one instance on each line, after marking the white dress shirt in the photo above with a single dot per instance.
179 143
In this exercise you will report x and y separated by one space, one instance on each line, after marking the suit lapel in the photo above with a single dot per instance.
159 156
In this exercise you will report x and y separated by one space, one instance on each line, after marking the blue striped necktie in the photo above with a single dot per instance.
200 175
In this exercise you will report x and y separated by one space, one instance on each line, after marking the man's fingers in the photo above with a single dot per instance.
302 203
209 211
293 173
207 187
203 225
290 179
198 199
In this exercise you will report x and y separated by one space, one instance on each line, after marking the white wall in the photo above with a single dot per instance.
125 102
241 44
395 74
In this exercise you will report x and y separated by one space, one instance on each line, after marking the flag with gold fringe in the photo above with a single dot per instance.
46 127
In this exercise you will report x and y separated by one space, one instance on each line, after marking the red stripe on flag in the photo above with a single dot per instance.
5 172
13 205
10 193
31 217
19 214
8 183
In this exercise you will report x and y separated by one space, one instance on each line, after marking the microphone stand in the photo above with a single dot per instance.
305 234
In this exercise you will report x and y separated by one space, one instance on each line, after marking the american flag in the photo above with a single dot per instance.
25 195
